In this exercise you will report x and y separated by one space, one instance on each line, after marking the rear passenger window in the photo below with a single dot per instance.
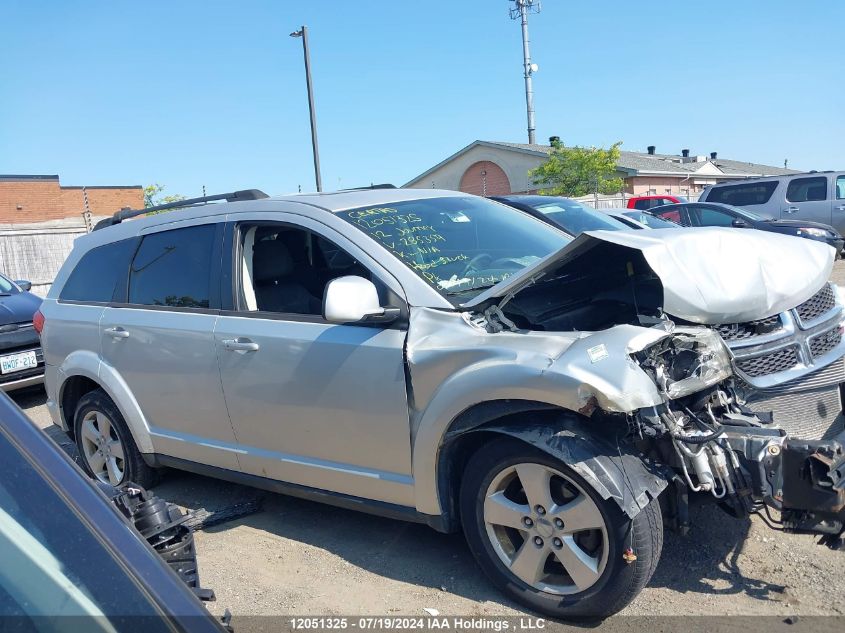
840 188
173 268
807 189
745 194
96 275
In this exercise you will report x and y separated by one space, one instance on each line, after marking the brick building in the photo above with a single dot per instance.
31 199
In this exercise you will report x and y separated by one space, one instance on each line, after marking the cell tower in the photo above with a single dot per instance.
520 11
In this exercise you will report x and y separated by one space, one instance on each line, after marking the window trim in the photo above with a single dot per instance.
230 293
799 178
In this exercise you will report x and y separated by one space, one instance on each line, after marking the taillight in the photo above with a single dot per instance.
38 321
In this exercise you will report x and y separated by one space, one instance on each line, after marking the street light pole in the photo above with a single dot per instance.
303 33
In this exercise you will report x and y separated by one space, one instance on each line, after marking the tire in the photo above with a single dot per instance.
493 478
114 461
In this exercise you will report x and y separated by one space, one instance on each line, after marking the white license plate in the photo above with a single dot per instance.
17 362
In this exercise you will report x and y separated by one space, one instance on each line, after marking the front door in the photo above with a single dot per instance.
312 403
807 199
161 343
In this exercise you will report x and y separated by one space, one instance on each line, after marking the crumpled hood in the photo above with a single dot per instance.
709 275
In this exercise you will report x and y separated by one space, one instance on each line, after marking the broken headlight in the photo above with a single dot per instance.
690 360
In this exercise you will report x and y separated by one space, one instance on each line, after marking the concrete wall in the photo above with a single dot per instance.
515 165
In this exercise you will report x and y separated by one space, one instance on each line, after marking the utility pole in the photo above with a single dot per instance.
303 33
520 11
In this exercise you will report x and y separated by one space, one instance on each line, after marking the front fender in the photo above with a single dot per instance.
454 366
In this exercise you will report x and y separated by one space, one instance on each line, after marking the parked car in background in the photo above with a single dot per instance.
643 203
807 197
21 360
715 214
443 358
565 213
73 558
642 219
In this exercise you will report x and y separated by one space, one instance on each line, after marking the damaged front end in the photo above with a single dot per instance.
719 447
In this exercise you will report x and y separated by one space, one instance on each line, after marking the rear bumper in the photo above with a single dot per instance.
27 377
23 383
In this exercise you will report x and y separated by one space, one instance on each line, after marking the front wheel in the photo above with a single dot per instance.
547 539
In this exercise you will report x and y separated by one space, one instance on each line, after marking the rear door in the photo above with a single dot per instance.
160 338
808 198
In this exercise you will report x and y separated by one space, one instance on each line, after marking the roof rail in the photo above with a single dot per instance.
234 196
385 185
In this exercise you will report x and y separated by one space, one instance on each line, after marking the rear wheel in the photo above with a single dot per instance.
105 444
548 540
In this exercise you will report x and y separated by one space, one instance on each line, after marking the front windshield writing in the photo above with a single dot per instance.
458 245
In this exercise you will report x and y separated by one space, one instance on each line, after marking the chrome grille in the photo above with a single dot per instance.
817 305
809 407
776 361
823 343
810 415
740 331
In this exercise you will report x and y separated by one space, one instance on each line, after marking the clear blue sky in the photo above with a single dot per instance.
208 92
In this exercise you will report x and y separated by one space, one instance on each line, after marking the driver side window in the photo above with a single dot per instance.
285 269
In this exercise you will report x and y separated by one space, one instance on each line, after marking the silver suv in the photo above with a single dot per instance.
442 358
817 196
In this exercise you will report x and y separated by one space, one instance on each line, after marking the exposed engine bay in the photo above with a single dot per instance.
719 447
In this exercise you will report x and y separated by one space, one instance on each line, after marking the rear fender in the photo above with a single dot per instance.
90 365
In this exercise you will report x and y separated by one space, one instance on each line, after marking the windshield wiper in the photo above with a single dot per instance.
466 290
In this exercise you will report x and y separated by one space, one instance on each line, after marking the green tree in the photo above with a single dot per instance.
153 197
578 171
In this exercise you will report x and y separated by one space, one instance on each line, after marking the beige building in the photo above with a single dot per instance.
489 168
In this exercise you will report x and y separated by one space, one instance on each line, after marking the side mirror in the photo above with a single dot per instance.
24 285
353 299
739 223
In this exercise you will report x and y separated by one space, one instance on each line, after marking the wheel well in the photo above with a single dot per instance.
74 388
459 445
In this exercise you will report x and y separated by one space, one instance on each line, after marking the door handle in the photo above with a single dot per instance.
116 332
240 345
841 207
791 210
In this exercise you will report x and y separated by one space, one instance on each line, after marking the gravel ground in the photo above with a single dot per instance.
299 557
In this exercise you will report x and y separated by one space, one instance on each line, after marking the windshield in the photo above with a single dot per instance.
574 217
458 245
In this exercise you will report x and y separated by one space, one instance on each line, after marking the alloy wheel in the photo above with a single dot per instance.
102 448
546 529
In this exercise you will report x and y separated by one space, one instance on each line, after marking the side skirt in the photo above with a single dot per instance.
348 502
